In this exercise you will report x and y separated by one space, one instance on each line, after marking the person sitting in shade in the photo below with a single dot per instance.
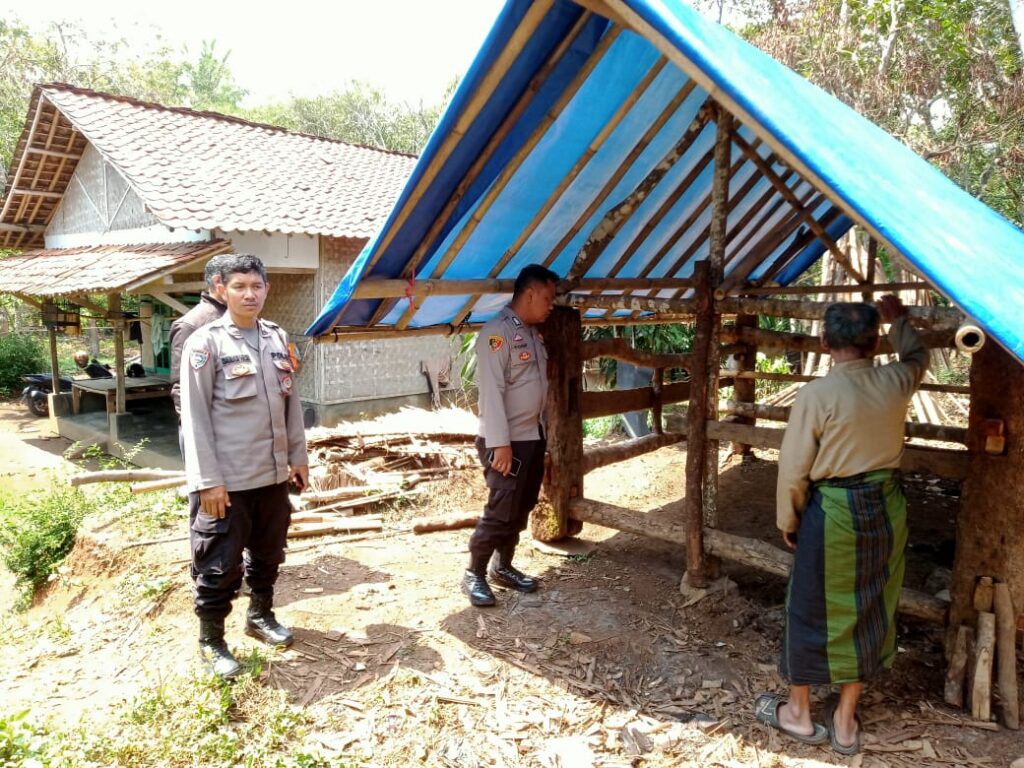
93 368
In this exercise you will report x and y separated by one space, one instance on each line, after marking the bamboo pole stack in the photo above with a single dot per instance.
988 649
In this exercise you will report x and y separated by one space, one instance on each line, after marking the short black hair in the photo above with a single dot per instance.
532 274
852 325
234 263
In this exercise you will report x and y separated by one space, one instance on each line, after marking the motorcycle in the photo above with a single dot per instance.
39 386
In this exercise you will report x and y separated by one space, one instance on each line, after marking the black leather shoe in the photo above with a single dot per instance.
214 651
479 591
509 577
261 623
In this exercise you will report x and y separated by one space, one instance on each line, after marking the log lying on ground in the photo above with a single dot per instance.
343 525
447 523
1006 655
315 498
362 501
610 454
125 476
740 549
158 485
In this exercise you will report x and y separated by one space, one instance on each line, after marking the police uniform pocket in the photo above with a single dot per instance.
498 481
239 382
285 376
204 523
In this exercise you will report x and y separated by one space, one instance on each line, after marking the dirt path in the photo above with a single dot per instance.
606 665
30 453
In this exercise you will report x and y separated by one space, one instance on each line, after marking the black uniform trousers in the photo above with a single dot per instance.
249 539
509 500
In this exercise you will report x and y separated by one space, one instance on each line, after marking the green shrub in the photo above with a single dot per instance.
37 532
20 353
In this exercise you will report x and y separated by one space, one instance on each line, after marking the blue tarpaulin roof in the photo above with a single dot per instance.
565 111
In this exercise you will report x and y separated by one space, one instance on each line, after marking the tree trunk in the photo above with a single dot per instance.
990 527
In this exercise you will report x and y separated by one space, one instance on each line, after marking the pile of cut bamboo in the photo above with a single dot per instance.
993 641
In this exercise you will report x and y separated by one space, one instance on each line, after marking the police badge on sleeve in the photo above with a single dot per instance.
199 358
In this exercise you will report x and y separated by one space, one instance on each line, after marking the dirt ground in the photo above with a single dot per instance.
605 665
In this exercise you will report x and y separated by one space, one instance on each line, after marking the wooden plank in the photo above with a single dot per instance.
596 404
927 387
619 349
936 461
942 432
602 456
773 341
1006 655
984 591
626 301
581 163
981 679
956 672
376 288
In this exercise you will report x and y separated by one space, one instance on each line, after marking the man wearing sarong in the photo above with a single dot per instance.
841 509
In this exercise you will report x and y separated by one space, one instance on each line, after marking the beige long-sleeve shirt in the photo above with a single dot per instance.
512 378
848 422
241 417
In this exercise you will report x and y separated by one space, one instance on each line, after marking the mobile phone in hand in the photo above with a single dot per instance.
517 464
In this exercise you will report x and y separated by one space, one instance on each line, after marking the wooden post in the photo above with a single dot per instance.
117 320
696 431
990 527
869 295
563 474
957 670
981 680
657 382
745 388
54 365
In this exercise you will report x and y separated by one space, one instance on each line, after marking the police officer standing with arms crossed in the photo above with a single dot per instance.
209 308
512 381
244 443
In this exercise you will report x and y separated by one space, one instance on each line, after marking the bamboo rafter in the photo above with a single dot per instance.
513 165
563 185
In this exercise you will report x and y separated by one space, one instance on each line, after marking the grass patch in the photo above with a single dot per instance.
37 531
182 722
598 427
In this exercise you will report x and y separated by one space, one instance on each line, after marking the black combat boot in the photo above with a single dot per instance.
474 582
503 573
261 623
214 651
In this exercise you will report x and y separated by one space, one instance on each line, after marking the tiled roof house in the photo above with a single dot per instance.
109 194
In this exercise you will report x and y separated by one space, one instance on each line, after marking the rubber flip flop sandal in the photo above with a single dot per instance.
766 710
842 749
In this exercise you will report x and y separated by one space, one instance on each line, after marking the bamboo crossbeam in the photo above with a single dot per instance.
377 288
911 428
815 310
594 458
936 461
747 551
811 290
614 401
625 301
775 341
619 349
767 376
512 166
581 163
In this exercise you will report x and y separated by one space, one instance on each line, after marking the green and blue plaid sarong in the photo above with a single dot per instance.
846 580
